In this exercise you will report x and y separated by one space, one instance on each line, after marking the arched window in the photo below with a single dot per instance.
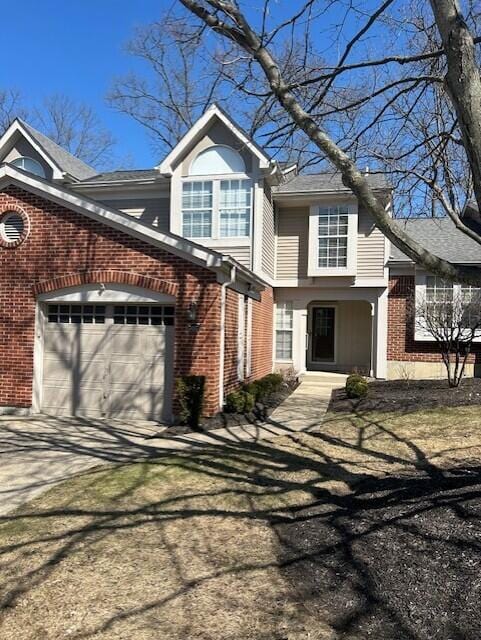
217 160
30 165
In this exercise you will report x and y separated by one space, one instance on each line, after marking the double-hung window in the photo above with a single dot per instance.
284 331
197 202
217 208
234 208
332 237
445 304
332 240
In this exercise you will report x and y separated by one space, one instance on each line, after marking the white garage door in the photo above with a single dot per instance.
108 360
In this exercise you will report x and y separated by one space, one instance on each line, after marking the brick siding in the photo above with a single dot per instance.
63 244
401 343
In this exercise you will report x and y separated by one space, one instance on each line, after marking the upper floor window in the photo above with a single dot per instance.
332 240
332 245
234 208
30 165
197 209
220 204
217 160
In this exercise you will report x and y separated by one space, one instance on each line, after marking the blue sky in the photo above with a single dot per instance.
76 49
58 46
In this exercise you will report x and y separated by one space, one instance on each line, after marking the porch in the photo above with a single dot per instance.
331 330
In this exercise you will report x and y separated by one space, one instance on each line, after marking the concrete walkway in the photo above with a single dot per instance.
38 452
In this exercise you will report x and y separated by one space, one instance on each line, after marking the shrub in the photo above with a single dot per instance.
356 386
263 387
190 396
273 381
239 402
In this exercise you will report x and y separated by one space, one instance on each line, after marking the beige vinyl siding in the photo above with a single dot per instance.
292 242
153 211
23 148
370 248
241 254
268 235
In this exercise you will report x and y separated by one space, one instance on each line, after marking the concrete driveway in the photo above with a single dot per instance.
39 451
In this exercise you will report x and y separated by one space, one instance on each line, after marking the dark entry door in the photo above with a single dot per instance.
323 338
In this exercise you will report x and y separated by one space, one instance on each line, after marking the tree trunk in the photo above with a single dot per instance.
462 80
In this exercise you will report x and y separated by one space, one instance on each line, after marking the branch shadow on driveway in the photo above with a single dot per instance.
373 536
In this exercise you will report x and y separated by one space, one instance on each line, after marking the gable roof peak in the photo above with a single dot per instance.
167 165
61 160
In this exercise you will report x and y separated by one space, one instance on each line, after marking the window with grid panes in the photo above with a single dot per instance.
234 208
197 203
332 236
284 330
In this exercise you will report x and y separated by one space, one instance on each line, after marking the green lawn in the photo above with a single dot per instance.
188 546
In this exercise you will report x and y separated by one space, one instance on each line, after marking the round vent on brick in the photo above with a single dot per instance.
13 228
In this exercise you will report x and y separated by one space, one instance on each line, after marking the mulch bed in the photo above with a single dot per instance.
399 559
410 395
260 413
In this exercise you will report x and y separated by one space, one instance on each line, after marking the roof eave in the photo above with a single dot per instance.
167 166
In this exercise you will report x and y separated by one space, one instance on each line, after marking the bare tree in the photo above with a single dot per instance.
181 86
75 127
11 107
452 317
324 99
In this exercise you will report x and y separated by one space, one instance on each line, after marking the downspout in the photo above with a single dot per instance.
373 340
224 286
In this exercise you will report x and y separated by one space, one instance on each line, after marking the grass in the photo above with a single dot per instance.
191 546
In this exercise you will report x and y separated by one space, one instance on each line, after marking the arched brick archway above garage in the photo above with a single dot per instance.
105 277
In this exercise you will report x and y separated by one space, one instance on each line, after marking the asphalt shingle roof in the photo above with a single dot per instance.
124 176
326 182
65 160
440 236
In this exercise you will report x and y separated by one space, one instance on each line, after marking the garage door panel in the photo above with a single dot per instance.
109 369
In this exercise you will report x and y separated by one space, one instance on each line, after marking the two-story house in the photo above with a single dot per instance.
217 262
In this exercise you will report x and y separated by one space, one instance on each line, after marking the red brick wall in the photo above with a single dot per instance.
62 242
262 336
401 344
231 380
261 342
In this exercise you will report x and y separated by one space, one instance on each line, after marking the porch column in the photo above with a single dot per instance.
379 355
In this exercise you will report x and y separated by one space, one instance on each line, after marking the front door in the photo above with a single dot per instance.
323 335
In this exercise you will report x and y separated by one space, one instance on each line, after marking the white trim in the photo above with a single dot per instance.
182 247
211 148
114 293
37 382
313 268
111 217
105 294
380 319
422 334
241 320
167 166
17 127
257 225
215 239
249 339
318 281
222 336
311 364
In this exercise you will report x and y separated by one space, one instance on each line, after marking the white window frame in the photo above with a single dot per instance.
421 334
277 330
313 268
215 226
226 154
198 209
